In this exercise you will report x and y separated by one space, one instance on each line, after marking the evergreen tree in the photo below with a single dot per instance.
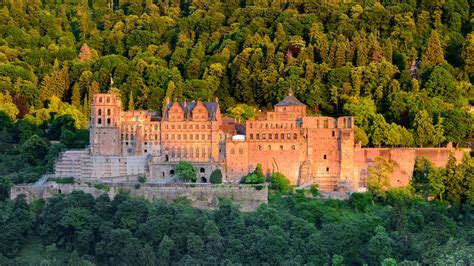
76 96
433 54
131 102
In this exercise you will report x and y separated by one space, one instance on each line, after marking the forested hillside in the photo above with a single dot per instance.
403 68
292 230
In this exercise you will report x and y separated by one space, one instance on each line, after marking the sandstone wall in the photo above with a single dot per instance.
199 196
403 160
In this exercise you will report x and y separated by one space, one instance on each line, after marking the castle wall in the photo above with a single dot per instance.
403 160
199 196
237 160
163 172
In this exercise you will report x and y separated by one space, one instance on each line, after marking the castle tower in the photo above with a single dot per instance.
105 124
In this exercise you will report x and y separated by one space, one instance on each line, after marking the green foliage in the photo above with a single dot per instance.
256 177
216 177
378 177
62 180
141 179
279 182
186 171
242 112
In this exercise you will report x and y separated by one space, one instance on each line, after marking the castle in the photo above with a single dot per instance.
306 149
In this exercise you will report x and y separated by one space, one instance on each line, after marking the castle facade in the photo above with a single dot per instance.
307 149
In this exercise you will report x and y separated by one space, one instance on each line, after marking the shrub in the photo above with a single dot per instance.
279 182
314 189
62 180
216 177
259 187
186 171
141 179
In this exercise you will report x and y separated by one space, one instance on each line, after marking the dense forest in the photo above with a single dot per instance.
293 229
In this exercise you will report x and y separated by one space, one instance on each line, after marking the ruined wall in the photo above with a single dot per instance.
199 196
237 160
403 160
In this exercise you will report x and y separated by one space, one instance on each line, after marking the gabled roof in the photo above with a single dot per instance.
188 108
290 100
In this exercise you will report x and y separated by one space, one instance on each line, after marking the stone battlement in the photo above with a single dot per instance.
204 196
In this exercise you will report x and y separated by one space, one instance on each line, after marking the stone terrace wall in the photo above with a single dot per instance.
199 196
403 160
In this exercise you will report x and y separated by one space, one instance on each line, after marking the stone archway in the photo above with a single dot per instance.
203 179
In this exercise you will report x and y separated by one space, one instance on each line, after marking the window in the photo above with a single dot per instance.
293 147
281 147
108 99
251 135
100 99
326 123
191 136
264 136
327 169
333 133
251 125
325 156
258 136
269 147
202 126
276 136
100 111
185 126
288 136
197 136
108 111
179 126
99 121
295 136
259 147
145 151
270 136
282 136
172 126
108 121
241 151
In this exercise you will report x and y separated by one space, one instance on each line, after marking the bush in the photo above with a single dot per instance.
186 171
257 177
314 189
62 180
141 179
279 182
216 177
259 187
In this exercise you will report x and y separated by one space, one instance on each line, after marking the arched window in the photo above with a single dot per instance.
258 136
270 136
276 136
108 111
282 136
295 136
264 136
100 112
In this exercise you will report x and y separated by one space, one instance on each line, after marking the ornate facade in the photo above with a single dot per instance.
306 149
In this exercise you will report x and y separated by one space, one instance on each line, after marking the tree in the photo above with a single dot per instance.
76 96
8 107
242 112
216 176
186 171
279 182
433 54
35 149
424 129
164 251
379 130
141 179
380 246
378 179
131 102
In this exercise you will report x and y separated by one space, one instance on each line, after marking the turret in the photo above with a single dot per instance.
105 124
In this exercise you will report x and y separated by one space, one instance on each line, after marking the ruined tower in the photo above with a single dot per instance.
105 124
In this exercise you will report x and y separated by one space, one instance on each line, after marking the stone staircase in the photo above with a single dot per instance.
74 163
